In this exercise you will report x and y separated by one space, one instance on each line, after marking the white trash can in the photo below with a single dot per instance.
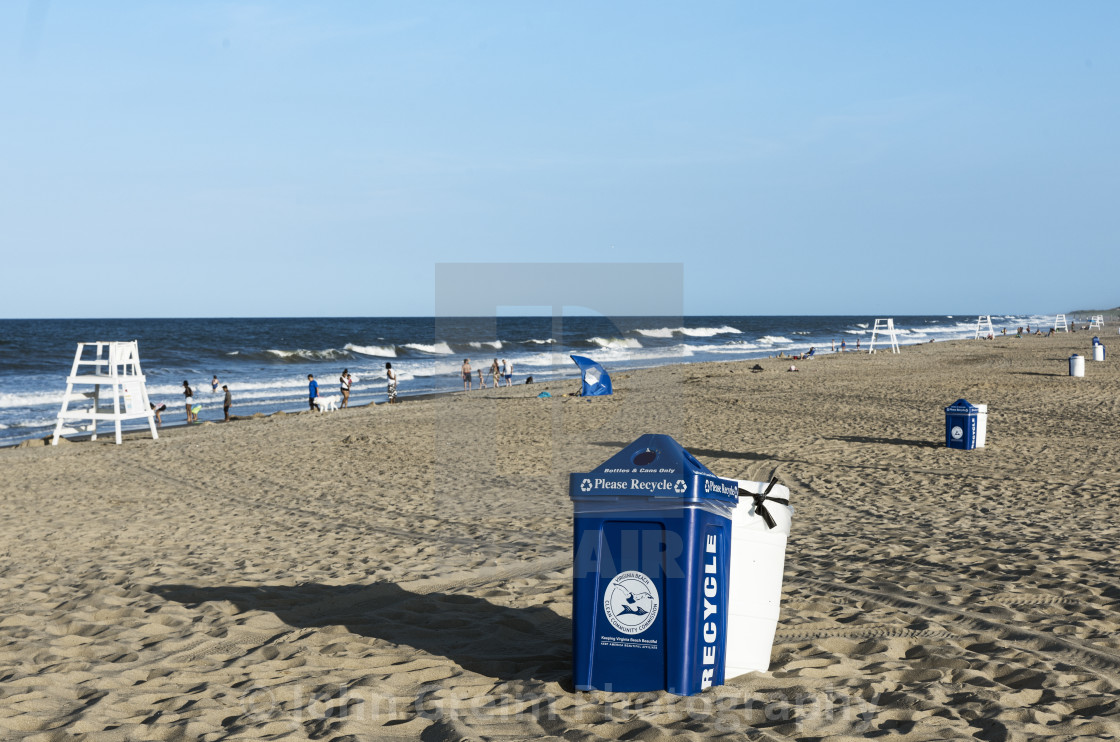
754 593
1076 365
1098 352
981 425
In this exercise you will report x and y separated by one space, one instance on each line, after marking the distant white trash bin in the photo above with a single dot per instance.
981 425
758 556
1098 352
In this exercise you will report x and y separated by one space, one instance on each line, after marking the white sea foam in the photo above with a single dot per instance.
773 340
615 342
534 341
434 368
310 355
739 346
32 399
495 344
382 351
542 359
696 332
439 349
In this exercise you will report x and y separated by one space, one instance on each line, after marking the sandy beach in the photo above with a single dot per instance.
404 572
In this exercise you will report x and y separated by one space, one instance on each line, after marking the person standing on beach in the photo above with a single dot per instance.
228 402
312 391
391 375
344 385
214 384
481 380
507 371
189 396
496 373
467 374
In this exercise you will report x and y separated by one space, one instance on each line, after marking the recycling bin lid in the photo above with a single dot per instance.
962 407
653 466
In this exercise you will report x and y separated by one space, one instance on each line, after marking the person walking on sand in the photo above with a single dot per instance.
507 371
496 372
312 391
467 374
481 380
188 395
344 385
228 402
391 375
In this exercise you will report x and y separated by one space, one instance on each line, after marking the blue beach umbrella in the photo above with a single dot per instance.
596 380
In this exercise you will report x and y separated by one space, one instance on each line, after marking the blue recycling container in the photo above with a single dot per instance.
650 571
1096 340
960 425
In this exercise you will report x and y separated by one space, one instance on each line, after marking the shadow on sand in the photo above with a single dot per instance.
479 636
886 441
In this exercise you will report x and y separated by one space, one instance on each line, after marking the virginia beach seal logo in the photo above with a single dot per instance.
631 602
957 432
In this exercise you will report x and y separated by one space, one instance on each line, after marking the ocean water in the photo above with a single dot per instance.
265 362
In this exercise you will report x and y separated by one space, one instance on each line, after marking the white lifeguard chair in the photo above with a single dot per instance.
116 365
1060 323
884 327
1097 323
984 319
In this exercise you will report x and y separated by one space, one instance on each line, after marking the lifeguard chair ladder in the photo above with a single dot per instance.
1060 323
116 365
884 327
984 319
1097 323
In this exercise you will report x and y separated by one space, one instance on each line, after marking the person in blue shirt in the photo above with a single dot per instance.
312 391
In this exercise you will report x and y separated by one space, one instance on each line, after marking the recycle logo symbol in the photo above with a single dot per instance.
680 487
585 485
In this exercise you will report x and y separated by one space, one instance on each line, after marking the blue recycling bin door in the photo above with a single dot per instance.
650 571
960 425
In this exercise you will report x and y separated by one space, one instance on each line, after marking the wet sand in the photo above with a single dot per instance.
404 572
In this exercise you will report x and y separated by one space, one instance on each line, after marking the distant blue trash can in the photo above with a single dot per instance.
960 425
1096 340
650 571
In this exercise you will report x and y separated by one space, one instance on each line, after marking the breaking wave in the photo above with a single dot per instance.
615 342
695 332
381 351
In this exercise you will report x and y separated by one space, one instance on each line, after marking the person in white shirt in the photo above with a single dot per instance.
507 371
345 382
391 375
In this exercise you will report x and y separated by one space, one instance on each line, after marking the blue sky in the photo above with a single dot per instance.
320 159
